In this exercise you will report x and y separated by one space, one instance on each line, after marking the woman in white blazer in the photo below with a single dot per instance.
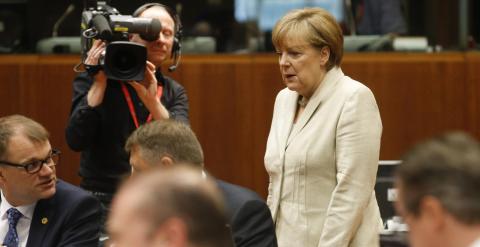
323 146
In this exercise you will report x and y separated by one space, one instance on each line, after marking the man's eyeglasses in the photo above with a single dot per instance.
35 166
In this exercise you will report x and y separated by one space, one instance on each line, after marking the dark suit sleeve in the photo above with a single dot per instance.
253 225
83 121
178 109
83 224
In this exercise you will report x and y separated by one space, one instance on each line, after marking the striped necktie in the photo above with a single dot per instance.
11 239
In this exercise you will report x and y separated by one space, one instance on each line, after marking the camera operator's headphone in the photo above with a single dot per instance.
178 30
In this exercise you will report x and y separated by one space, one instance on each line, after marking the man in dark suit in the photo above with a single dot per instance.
37 209
380 17
166 143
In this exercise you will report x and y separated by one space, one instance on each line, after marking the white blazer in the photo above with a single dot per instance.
323 168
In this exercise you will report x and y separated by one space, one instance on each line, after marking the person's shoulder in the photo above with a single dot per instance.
285 93
355 93
171 82
70 193
238 192
242 203
352 86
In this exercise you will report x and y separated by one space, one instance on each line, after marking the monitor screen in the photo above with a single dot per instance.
385 188
268 12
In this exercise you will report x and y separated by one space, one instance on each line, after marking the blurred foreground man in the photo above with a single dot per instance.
439 197
174 207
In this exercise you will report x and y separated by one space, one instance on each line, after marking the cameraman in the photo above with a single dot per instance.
104 112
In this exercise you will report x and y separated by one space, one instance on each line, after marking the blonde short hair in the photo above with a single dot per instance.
20 125
316 26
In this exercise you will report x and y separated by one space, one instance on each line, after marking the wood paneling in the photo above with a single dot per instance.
232 96
40 87
473 93
419 95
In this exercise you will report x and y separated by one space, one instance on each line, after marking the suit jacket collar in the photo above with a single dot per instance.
323 91
26 210
287 109
43 216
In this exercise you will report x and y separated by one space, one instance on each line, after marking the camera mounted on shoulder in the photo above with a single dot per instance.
123 60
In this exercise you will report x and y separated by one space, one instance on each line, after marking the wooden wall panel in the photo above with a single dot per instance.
52 107
419 95
473 92
9 92
232 97
220 112
41 88
267 82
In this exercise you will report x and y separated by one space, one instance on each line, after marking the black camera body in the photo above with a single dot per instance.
123 60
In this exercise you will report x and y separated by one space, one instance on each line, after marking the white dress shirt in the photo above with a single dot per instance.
23 225
476 243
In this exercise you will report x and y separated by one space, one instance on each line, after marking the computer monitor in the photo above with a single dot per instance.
385 188
268 12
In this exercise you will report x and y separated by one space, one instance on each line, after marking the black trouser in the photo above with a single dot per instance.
105 201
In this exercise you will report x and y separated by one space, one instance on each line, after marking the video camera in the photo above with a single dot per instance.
123 60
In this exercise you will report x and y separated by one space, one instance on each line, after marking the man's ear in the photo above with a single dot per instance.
166 161
2 177
433 212
324 55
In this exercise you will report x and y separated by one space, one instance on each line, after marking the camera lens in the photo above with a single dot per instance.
125 61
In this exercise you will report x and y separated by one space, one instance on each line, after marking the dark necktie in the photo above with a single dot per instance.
11 239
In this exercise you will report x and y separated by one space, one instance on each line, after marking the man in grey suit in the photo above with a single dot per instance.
166 143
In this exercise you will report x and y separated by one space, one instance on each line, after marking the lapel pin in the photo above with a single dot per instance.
44 220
